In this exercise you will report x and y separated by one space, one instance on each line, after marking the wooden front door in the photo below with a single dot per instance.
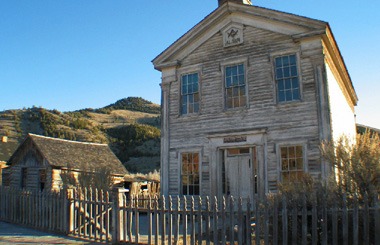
238 175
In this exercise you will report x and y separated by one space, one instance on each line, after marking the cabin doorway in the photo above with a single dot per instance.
240 172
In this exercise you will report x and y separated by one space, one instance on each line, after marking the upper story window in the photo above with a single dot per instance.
287 79
235 86
190 173
190 93
292 163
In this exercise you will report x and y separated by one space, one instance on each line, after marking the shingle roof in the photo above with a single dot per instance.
77 155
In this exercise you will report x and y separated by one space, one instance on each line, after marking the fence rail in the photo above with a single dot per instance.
113 217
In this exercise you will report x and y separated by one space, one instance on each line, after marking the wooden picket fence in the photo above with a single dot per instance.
113 217
42 210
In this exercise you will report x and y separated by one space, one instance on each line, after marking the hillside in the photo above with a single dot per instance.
130 126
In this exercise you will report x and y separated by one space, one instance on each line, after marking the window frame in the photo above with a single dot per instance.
192 69
279 158
230 63
299 76
181 169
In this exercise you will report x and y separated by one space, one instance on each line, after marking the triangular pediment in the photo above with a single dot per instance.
228 19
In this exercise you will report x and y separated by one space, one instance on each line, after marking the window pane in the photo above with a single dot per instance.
285 61
278 62
236 102
184 88
281 85
286 72
235 80
242 91
234 70
279 74
300 163
228 81
241 80
295 83
196 107
291 152
293 71
228 71
288 84
299 151
281 96
285 164
241 69
243 101
292 59
296 94
288 95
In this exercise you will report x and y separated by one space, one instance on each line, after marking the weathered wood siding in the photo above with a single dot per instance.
285 123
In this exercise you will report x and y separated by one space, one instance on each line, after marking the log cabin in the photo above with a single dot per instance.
248 96
44 163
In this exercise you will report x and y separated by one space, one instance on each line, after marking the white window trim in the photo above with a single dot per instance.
231 62
278 156
200 156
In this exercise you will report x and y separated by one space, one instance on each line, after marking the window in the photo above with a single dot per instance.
235 86
24 174
42 175
190 93
287 80
292 163
190 173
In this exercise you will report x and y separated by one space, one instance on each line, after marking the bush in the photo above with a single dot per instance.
356 165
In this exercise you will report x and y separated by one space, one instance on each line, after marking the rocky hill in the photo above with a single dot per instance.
130 126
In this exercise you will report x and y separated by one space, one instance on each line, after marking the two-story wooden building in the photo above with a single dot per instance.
248 95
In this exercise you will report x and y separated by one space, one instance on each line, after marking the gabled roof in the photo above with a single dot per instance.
298 27
230 12
75 155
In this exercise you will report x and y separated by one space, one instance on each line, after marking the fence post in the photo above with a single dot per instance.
69 209
116 220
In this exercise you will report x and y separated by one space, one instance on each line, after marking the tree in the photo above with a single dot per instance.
357 165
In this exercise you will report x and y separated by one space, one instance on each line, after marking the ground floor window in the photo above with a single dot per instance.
292 163
190 173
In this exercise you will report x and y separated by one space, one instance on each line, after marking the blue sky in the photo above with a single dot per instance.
74 54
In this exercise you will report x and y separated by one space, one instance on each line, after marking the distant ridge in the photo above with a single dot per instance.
130 126
133 104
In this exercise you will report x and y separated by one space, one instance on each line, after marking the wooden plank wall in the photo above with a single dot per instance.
286 123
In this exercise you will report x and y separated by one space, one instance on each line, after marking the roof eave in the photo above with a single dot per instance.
330 41
163 59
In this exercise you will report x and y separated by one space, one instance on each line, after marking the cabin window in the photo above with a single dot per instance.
292 163
235 91
287 79
190 93
190 173
42 177
24 175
